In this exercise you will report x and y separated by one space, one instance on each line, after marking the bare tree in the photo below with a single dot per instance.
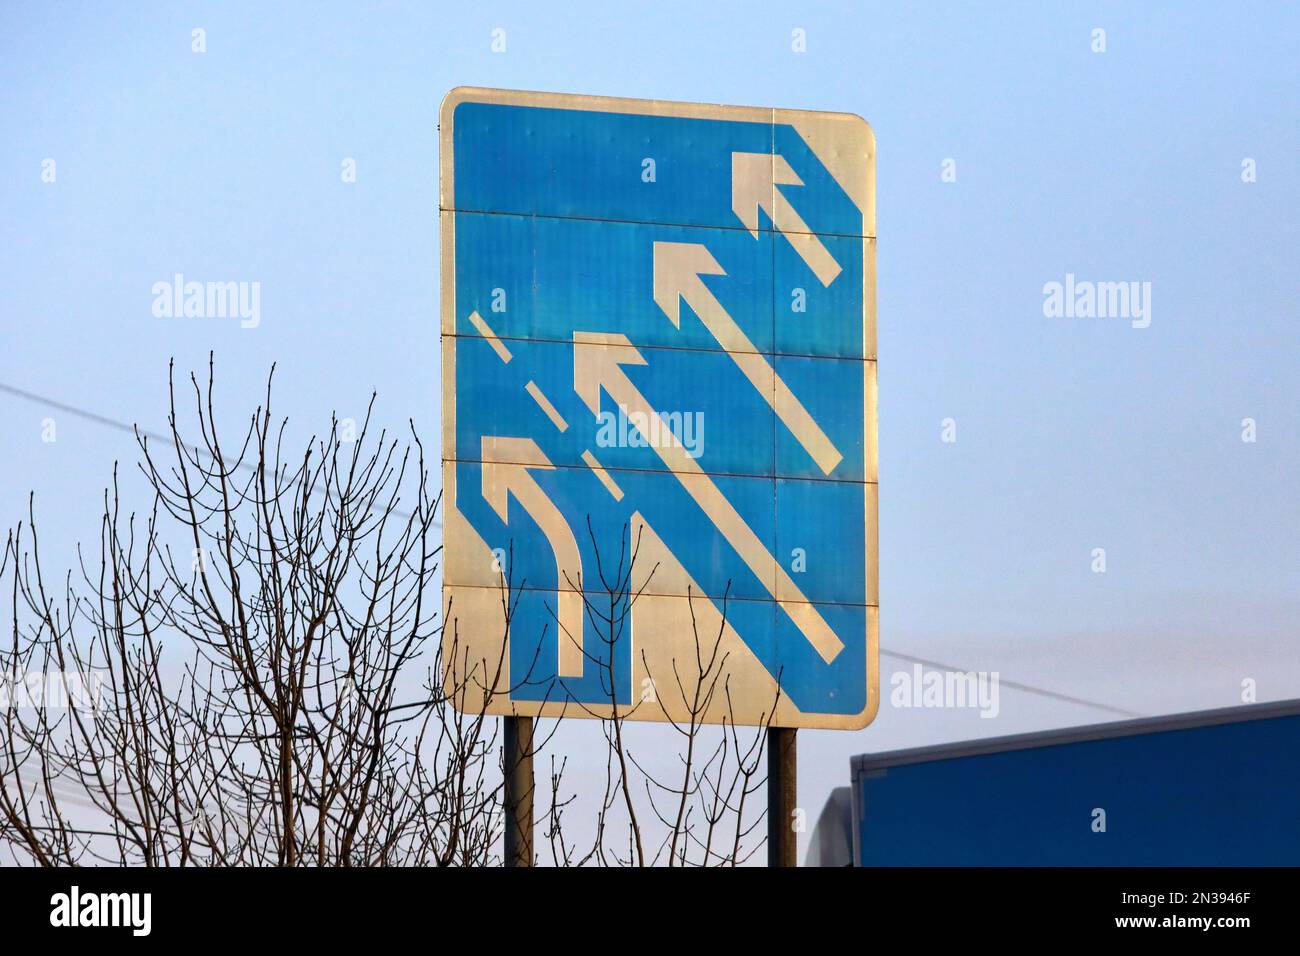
253 641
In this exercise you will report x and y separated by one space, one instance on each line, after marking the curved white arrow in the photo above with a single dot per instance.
506 463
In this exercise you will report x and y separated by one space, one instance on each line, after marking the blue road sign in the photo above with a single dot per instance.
659 408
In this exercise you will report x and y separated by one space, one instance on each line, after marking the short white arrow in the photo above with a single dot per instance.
754 178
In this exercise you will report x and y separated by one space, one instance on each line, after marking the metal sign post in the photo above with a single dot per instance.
782 794
518 768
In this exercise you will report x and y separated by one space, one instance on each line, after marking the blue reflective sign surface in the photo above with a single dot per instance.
660 327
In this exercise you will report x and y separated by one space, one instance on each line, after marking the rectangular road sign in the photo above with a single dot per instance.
659 353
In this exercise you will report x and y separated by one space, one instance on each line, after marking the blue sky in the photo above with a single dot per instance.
1072 434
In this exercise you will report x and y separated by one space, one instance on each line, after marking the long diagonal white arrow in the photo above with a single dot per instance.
677 270
597 364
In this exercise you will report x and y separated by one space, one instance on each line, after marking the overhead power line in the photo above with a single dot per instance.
119 425
1018 685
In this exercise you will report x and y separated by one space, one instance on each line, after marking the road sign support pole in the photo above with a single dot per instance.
782 793
518 767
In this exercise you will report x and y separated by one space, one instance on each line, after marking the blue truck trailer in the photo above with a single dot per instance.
1212 788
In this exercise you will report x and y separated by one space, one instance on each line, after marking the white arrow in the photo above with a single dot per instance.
677 270
506 463
754 178
597 364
